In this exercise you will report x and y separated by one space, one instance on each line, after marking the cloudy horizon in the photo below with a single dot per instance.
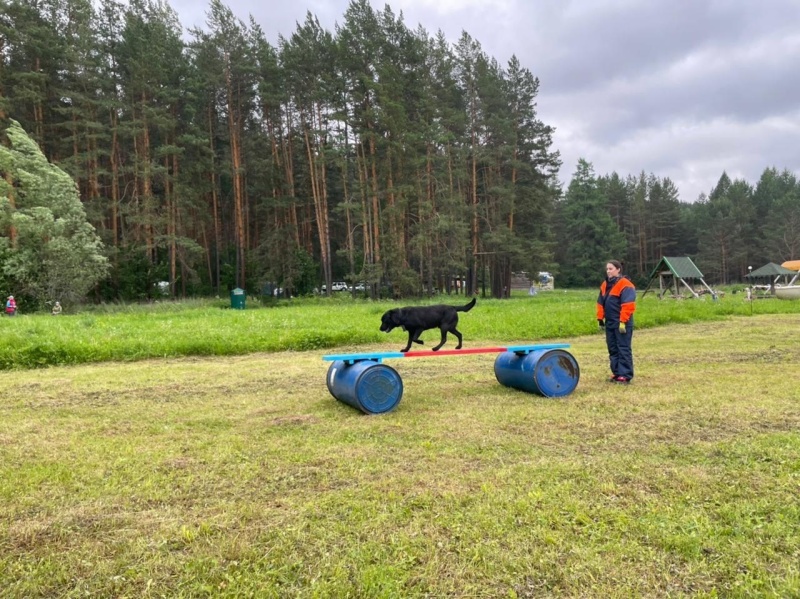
685 89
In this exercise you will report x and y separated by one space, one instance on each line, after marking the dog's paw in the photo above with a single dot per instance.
420 341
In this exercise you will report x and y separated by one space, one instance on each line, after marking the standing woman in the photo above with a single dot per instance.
11 306
615 307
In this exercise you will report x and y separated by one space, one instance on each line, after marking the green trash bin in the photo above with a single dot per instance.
237 299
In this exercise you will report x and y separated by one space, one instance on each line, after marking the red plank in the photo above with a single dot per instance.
454 352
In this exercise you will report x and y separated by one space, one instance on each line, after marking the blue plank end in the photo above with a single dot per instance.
376 356
526 349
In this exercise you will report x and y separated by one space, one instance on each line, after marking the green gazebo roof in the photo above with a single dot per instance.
770 270
682 268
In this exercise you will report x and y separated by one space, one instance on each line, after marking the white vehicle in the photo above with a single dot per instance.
336 286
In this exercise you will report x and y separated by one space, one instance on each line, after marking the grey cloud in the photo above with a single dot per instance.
694 155
742 92
681 88
590 43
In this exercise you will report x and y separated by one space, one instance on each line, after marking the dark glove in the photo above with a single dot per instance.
601 323
622 328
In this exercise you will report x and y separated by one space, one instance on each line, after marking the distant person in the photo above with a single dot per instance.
56 309
615 307
11 306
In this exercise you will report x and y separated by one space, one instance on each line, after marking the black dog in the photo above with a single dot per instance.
416 319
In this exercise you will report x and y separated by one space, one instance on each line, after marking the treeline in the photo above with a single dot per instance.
641 219
376 153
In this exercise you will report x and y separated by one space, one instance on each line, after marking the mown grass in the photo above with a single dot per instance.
165 330
241 476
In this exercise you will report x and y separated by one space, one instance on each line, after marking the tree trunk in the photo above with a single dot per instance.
316 169
215 281
38 113
173 229
361 163
288 161
348 216
12 232
238 190
474 229
513 206
114 157
376 207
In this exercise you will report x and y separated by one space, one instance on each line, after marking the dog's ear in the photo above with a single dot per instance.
397 316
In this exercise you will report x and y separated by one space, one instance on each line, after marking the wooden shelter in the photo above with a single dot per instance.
772 273
674 272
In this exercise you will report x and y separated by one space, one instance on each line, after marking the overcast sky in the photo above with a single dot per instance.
684 89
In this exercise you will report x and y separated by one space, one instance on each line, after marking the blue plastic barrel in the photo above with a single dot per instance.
366 385
547 372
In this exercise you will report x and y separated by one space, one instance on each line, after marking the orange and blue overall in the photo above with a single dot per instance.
615 304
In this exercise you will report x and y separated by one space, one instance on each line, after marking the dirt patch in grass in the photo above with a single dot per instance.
294 420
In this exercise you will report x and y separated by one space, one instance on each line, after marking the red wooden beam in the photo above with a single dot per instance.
380 356
453 352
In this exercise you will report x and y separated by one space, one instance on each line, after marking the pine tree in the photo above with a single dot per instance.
776 200
308 60
591 236
235 54
781 229
54 253
729 231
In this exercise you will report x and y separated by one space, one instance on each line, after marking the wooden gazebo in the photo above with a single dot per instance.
674 272
772 273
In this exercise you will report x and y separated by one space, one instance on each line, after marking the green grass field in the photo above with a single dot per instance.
197 328
240 476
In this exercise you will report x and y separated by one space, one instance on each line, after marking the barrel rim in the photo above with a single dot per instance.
351 391
540 365
365 372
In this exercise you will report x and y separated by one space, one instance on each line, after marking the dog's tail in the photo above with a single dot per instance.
468 307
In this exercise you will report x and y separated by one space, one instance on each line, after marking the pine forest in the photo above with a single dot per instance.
377 153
